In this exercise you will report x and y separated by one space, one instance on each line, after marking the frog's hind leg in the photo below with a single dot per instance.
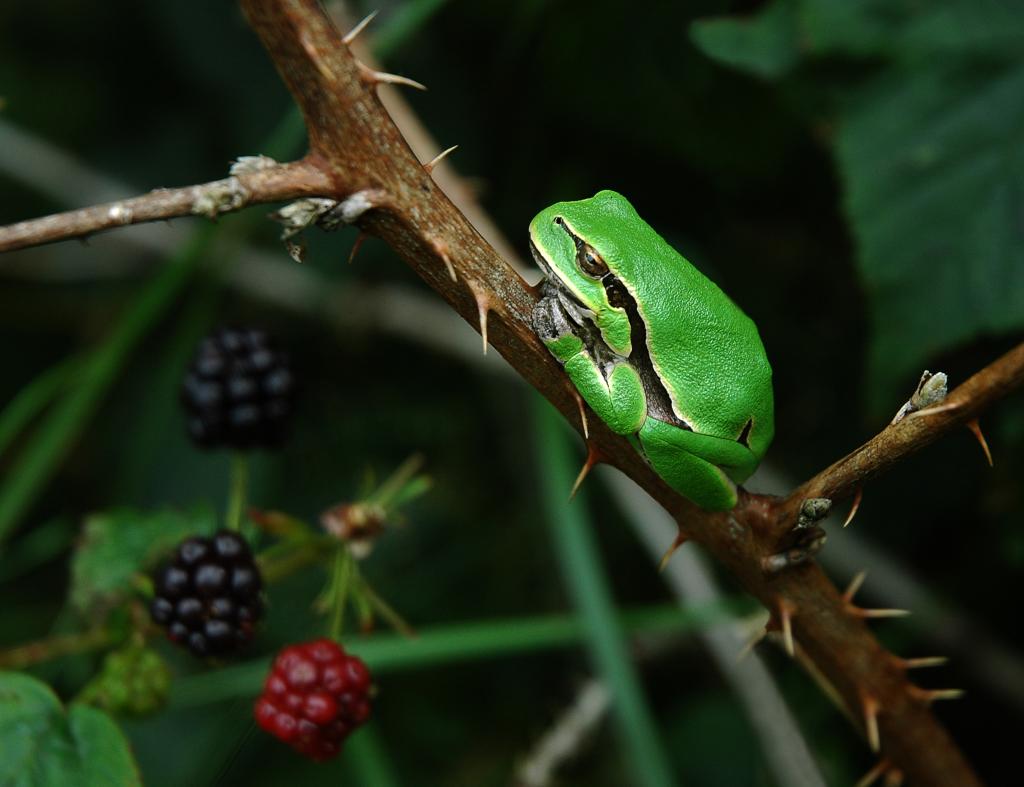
670 450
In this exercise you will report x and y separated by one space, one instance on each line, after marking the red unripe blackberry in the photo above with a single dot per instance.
238 391
208 598
314 697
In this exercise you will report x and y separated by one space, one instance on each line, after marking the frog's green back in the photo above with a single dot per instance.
708 352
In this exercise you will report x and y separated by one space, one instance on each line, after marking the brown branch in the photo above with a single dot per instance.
363 150
360 154
913 433
54 647
271 184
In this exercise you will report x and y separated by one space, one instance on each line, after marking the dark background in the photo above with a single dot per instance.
850 176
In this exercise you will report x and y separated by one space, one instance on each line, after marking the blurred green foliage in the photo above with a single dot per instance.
926 133
119 543
847 171
44 744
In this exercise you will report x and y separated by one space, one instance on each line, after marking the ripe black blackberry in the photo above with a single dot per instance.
208 598
238 391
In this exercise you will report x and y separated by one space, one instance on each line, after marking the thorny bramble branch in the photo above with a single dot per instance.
358 156
897 441
269 183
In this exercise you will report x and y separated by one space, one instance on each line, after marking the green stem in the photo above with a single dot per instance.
384 494
385 610
464 642
31 653
239 490
368 760
31 399
580 559
341 576
286 557
68 417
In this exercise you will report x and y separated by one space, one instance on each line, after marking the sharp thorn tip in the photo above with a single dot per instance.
856 505
871 723
429 166
980 436
924 661
355 31
854 586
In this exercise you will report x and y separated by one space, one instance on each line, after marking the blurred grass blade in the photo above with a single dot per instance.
403 24
463 642
33 398
39 546
578 555
57 433
368 761
39 460
62 426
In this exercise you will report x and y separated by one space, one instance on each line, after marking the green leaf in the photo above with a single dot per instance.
45 746
117 544
934 175
928 147
771 42
764 44
576 547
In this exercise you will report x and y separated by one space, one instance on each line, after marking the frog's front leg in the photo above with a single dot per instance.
606 381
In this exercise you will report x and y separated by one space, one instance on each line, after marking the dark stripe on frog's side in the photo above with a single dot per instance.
659 403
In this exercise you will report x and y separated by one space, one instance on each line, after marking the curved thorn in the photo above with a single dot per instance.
939 408
929 696
924 661
357 245
592 459
483 308
854 586
677 542
872 614
751 644
583 414
786 624
398 79
377 77
872 776
871 708
441 248
857 497
355 31
429 166
976 431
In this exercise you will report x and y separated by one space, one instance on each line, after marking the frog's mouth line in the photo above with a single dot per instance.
569 299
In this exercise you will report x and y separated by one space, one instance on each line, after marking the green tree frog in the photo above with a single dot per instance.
658 351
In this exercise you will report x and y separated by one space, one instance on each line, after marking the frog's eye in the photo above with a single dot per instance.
744 437
590 261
